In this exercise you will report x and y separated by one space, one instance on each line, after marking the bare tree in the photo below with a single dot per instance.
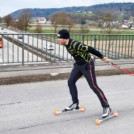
54 21
7 20
106 20
24 19
38 29
13 23
61 18
0 20
84 29
70 24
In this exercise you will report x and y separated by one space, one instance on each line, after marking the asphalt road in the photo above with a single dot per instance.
28 108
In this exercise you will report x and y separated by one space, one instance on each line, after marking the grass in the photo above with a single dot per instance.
44 31
91 32
83 14
92 37
49 26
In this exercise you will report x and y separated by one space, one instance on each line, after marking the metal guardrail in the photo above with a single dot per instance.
26 48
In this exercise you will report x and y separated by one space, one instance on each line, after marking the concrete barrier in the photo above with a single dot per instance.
46 72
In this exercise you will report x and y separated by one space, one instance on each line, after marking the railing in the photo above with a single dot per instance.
27 48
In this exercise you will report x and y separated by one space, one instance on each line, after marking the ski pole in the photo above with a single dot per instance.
120 68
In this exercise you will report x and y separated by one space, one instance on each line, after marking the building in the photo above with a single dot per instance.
40 20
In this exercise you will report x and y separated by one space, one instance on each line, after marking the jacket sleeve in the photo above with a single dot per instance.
84 48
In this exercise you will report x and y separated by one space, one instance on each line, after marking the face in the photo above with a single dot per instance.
62 41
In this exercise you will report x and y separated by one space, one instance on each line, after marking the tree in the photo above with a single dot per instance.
13 23
83 22
24 19
54 21
70 24
106 21
61 18
0 20
38 29
84 29
80 17
8 19
129 11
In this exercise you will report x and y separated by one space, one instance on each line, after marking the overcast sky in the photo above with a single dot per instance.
8 6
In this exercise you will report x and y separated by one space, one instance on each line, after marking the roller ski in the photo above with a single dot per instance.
73 107
107 114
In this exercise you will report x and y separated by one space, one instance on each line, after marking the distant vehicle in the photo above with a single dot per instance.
49 47
20 36
1 42
5 31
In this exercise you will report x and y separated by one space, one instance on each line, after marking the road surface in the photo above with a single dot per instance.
28 108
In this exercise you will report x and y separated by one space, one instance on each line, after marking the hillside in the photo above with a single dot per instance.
117 7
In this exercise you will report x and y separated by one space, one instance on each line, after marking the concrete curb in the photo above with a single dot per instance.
53 76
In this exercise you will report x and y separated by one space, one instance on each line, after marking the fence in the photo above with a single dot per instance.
26 48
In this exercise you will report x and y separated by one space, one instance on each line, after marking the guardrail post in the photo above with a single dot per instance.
95 39
23 51
83 38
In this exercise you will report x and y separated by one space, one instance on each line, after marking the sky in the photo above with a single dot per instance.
9 6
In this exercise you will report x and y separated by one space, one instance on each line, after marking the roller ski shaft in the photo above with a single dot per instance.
57 111
99 121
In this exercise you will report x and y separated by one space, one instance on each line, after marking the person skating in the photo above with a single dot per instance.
84 65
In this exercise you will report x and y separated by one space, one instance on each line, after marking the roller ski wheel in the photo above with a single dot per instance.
82 109
57 112
115 114
99 121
